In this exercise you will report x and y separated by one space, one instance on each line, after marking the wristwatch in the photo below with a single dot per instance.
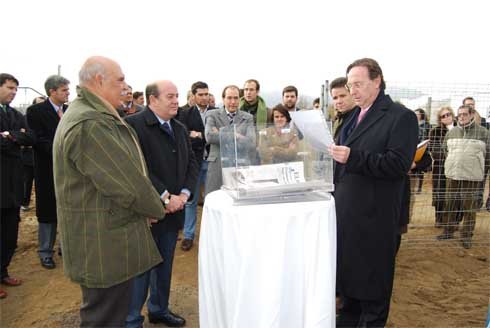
167 200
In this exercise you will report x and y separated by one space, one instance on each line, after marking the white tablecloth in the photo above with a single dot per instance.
269 265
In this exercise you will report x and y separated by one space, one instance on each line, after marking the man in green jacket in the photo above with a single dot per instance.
105 200
252 103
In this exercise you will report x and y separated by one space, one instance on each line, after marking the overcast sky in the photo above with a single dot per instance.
226 42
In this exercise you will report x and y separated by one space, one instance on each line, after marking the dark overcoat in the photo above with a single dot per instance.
171 163
368 195
192 120
12 187
43 121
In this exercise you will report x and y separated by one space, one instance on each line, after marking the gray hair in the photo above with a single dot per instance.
54 82
89 71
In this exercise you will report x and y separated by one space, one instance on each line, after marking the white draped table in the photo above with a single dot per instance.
267 265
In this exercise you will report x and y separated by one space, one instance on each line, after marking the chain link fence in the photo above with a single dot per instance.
446 213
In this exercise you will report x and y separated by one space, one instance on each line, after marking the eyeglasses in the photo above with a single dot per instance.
446 115
463 114
355 85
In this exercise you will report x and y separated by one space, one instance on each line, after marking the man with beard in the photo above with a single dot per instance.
252 103
290 98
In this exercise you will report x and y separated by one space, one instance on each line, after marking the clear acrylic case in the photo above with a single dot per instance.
274 164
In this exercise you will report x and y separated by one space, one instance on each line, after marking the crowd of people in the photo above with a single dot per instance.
119 230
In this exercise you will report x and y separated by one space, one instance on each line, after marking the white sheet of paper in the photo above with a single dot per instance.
313 126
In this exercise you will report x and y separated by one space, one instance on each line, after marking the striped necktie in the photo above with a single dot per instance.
167 129
231 116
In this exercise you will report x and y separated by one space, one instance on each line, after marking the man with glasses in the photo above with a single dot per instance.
128 105
470 101
468 152
374 152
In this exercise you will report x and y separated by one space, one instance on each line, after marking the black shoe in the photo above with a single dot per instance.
186 244
48 263
466 244
170 319
445 236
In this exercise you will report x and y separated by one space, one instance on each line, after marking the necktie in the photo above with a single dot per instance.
361 116
167 129
60 112
4 108
231 116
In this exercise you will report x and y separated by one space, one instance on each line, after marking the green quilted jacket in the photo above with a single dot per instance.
104 196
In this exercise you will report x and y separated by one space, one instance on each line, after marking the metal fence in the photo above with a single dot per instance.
454 211
432 96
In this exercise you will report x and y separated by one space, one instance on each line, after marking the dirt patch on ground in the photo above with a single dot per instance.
434 287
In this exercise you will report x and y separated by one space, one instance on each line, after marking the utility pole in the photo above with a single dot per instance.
324 99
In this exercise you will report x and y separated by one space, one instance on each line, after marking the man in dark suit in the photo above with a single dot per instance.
342 103
218 118
173 171
193 119
13 135
43 119
376 149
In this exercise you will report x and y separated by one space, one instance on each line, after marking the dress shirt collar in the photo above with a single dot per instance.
161 120
232 113
56 107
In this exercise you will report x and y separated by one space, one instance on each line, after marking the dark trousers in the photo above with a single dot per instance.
363 313
28 180
9 229
157 279
161 275
47 237
105 307
462 200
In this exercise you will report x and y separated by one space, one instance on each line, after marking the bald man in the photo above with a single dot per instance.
173 171
105 199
